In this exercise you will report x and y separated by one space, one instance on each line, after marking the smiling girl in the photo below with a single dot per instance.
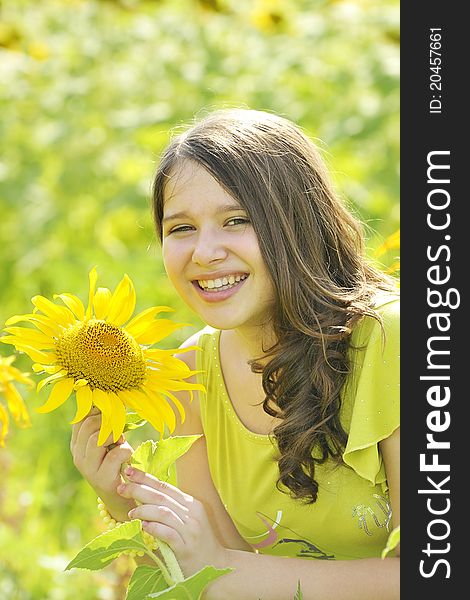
296 475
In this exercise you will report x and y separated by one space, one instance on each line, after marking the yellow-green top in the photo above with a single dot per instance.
352 516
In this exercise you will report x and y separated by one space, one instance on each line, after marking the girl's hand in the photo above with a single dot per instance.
99 465
174 517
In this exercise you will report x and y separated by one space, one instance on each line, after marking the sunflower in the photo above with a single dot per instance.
104 357
15 404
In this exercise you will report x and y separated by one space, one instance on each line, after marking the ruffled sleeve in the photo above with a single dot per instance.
371 403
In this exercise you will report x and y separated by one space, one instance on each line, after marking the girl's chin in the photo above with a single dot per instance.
229 319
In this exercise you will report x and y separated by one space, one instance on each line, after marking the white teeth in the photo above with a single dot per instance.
210 284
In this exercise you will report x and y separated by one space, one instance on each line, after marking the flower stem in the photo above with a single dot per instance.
161 565
170 561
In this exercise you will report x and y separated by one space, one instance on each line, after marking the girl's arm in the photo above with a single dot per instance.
200 531
182 521
263 577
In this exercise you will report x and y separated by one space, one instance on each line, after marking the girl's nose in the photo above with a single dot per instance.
208 250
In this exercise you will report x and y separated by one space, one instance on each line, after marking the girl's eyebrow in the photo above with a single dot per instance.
225 208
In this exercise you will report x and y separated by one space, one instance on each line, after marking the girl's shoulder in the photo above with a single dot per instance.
371 399
189 352
386 306
387 303
192 345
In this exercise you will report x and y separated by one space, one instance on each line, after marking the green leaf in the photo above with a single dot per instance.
133 421
298 594
192 587
144 581
157 458
104 548
392 542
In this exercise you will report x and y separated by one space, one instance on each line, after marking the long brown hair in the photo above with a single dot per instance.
314 250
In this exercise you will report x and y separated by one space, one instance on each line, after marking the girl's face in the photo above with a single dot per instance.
211 252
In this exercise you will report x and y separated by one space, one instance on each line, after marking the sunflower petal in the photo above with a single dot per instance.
165 357
101 400
51 369
144 318
84 398
60 314
122 303
142 405
7 360
157 330
118 415
178 405
34 353
59 394
17 375
177 350
93 277
43 323
32 336
16 405
174 386
74 304
161 404
168 367
101 302
80 383
59 375
4 424
8 339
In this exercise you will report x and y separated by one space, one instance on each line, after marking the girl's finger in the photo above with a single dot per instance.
76 427
158 514
84 429
94 454
114 458
164 533
137 476
158 500
91 430
147 495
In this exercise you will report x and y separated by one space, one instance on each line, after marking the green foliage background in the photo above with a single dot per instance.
90 91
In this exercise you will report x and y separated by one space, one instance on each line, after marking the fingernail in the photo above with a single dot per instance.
121 488
129 471
130 513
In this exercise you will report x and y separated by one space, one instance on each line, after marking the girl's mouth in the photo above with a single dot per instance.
219 285
214 290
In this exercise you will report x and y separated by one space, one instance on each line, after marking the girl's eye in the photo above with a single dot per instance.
180 229
238 221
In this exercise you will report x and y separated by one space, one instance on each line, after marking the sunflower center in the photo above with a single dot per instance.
105 355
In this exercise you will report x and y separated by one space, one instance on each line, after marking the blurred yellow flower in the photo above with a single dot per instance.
268 15
391 243
15 404
104 357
